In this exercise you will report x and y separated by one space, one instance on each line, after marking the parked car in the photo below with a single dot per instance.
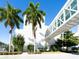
73 49
63 49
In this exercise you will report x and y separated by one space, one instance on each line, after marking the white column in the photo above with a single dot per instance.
48 46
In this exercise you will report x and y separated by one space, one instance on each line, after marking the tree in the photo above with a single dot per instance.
69 39
18 42
11 18
34 16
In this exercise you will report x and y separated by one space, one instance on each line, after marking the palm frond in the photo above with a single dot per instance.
27 11
6 23
38 20
37 5
42 12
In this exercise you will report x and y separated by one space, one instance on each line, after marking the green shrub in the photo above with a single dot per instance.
18 42
30 48
54 48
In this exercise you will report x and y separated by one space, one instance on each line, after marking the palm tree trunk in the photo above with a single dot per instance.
34 40
34 45
10 40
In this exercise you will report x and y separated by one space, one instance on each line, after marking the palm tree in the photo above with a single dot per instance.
34 16
11 18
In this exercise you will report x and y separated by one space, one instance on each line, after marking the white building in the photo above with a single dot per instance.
27 33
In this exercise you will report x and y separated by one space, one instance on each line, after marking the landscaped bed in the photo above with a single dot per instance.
10 53
57 52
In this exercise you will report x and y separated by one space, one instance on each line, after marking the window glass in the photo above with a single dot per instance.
67 14
74 5
72 12
59 23
62 17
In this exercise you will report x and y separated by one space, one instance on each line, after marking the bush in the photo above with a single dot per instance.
18 42
59 42
54 48
30 48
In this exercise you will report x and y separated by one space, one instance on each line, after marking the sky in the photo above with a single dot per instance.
51 8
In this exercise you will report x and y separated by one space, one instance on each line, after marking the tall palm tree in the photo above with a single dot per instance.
34 16
11 18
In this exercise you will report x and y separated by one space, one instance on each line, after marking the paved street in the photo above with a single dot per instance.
42 56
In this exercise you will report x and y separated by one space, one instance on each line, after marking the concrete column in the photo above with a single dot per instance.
48 46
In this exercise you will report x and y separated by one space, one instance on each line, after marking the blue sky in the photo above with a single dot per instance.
51 7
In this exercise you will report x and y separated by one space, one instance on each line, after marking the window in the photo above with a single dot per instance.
59 23
62 17
67 12
72 12
74 5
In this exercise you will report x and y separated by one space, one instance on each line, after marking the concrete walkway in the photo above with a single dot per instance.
41 56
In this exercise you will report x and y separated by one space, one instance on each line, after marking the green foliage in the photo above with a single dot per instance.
34 16
68 35
30 48
69 39
59 42
18 42
54 47
10 17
